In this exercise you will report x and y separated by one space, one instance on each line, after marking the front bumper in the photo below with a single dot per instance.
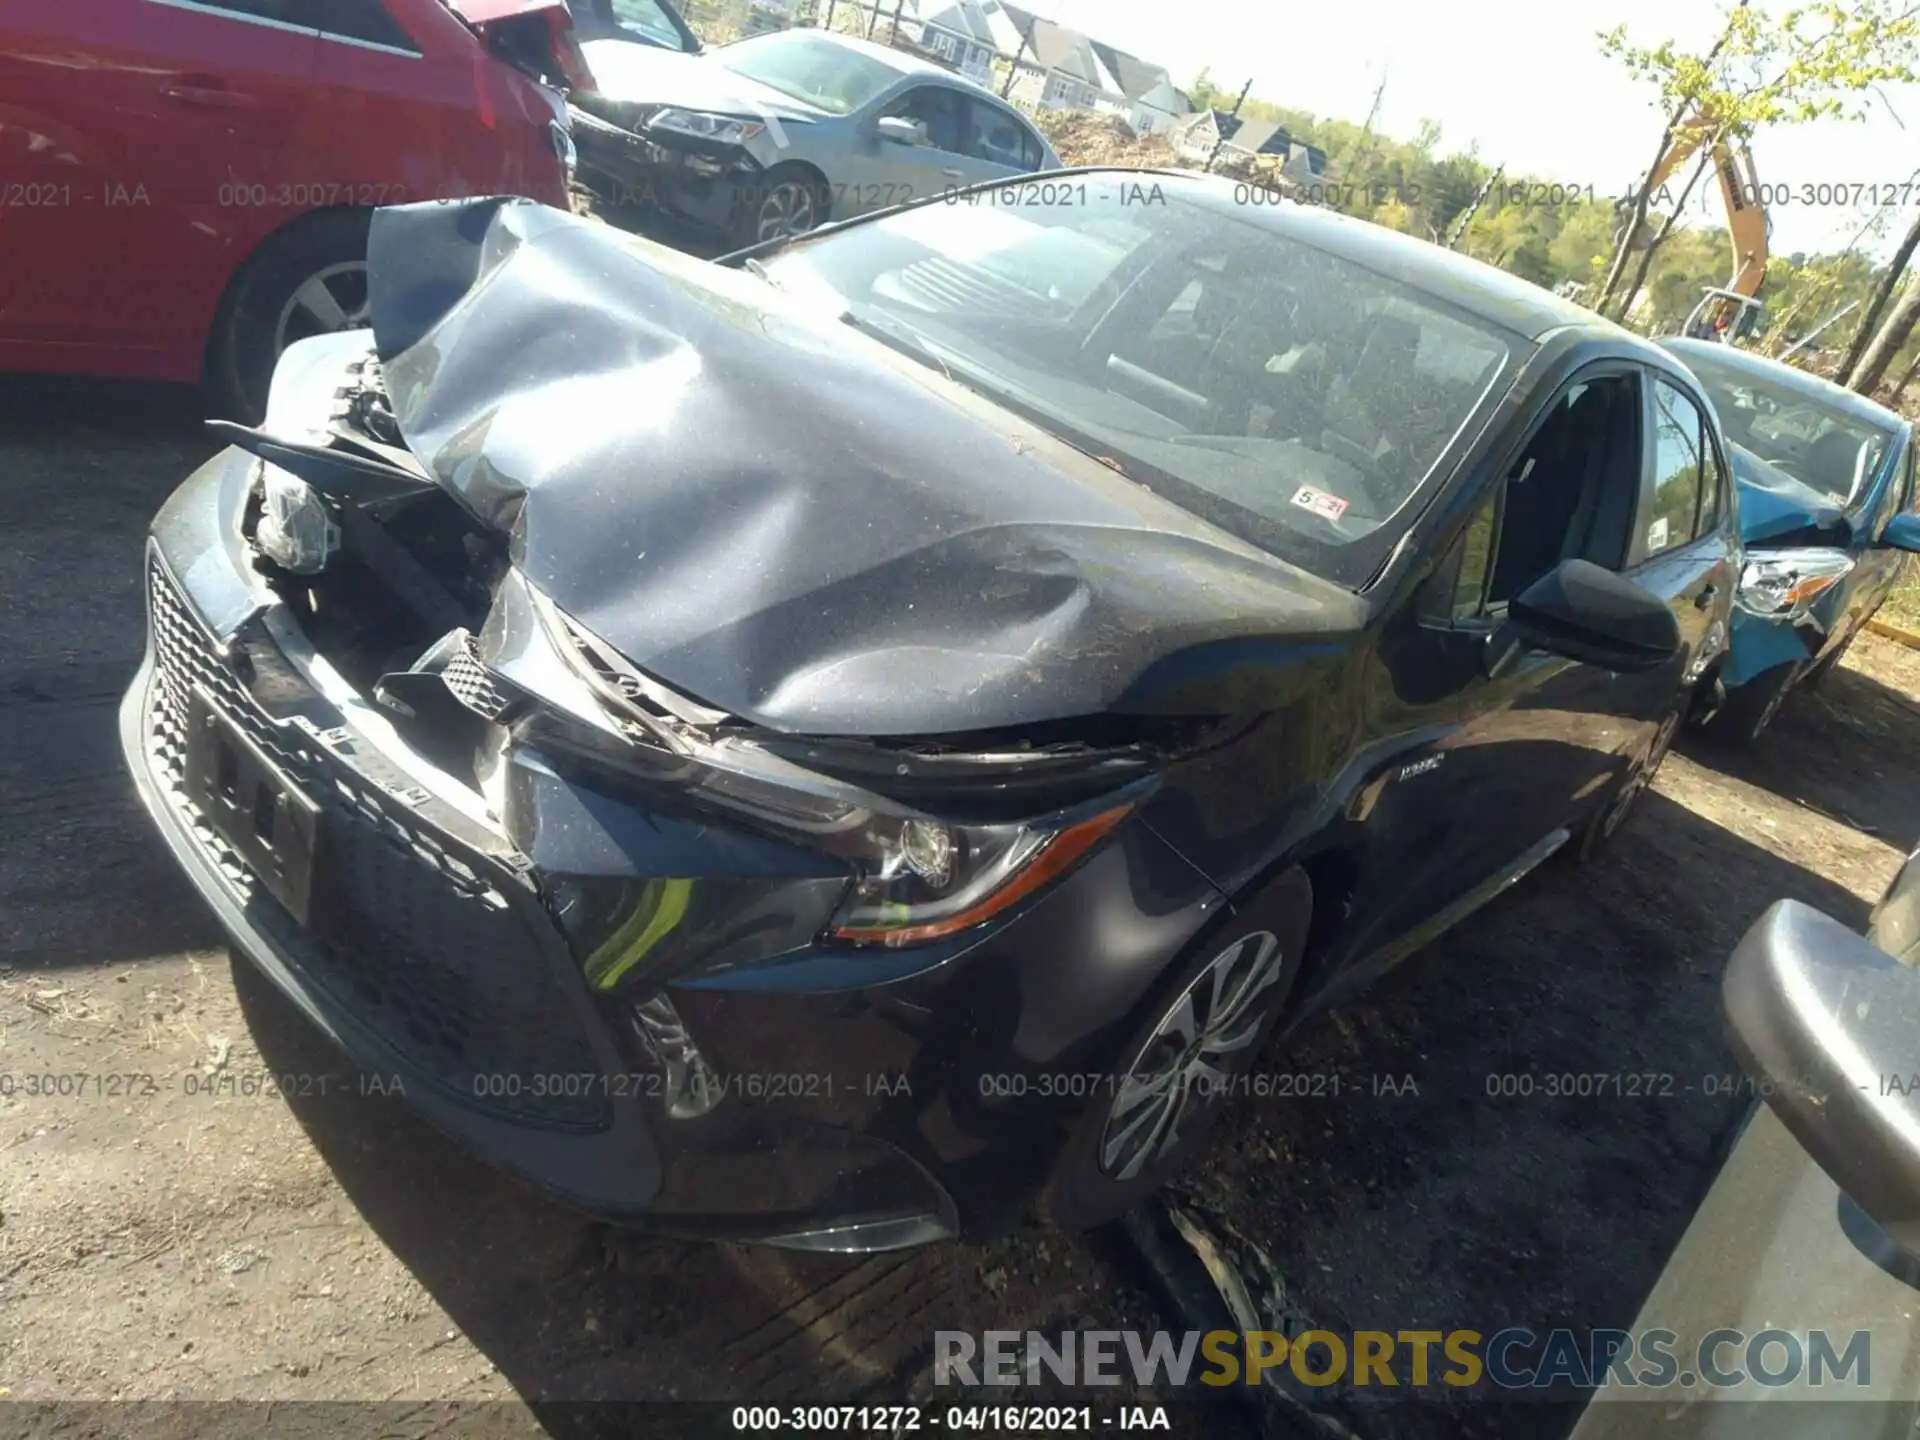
872 1100
699 181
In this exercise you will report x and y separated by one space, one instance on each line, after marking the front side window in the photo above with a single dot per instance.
940 113
1571 491
1207 356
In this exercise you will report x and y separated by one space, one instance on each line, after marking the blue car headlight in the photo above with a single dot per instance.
1783 584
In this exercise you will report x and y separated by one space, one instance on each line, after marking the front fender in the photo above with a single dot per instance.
1760 645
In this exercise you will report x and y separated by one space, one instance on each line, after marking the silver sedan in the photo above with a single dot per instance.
773 136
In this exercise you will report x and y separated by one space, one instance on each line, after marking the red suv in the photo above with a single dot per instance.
185 185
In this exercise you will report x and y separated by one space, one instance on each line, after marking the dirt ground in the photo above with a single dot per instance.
179 1227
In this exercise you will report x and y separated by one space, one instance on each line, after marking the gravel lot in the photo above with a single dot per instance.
214 1242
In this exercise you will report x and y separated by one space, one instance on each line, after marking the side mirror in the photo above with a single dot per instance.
1903 532
897 130
1824 1022
1587 613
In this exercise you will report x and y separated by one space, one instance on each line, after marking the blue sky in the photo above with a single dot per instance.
1527 82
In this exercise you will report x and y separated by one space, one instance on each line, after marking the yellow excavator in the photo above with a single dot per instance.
1725 312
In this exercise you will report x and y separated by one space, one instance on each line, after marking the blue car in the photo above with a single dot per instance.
1825 485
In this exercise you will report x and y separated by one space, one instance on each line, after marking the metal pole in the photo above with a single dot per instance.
1013 67
1807 339
1221 139
893 36
1466 215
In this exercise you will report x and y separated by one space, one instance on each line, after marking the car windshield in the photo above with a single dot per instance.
810 68
1803 435
1287 395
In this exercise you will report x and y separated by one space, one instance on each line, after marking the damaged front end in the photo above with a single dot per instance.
580 917
1792 590
419 607
696 777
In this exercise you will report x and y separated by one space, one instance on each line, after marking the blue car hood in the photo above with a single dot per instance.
1774 504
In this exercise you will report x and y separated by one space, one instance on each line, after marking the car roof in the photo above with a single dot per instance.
1482 291
1777 372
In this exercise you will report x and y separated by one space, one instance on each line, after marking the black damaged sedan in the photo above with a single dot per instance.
847 744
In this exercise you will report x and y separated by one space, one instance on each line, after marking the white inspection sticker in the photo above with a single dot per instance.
1320 502
1657 534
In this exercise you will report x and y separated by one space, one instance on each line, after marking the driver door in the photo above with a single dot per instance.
889 172
1491 771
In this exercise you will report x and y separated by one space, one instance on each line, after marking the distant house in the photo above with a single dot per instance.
958 32
1057 68
1196 138
1154 103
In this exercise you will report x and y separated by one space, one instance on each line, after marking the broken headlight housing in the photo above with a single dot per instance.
1783 584
925 879
296 530
917 877
722 129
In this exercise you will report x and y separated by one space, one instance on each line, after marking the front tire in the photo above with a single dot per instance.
307 279
1598 837
1185 1060
1747 711
788 201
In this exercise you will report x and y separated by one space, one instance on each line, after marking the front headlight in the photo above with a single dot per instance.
1783 584
917 877
723 129
926 880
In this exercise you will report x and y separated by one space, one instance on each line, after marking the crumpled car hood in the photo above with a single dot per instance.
1773 503
788 521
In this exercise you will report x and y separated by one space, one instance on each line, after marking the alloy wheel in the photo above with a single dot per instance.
331 299
786 210
1205 1037
1641 778
1771 709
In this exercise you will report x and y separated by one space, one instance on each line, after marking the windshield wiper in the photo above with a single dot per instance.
910 345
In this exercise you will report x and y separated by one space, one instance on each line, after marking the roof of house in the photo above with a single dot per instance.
1259 137
961 17
1057 48
1132 76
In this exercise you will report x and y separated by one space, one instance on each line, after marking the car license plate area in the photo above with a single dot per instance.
252 805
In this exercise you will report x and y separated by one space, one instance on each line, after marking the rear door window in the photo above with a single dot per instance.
1675 506
997 136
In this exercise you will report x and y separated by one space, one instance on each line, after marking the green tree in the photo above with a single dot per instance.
1810 62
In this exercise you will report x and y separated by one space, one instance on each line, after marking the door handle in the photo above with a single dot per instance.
954 173
212 97
1706 597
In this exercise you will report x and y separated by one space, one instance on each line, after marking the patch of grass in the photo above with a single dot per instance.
1903 605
